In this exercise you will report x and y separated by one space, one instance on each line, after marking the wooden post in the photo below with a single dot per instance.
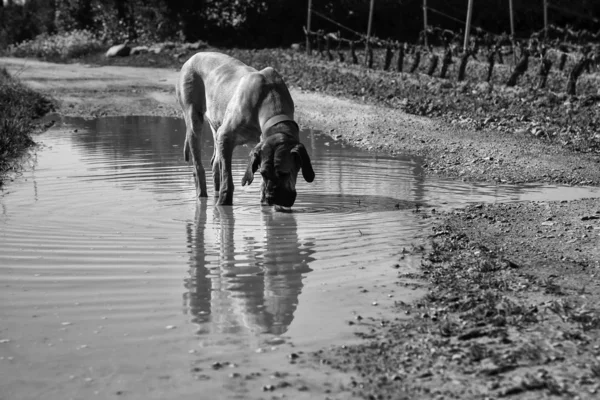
425 23
368 44
308 49
512 29
468 25
545 19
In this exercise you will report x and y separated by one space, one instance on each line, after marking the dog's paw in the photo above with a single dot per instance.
247 179
225 201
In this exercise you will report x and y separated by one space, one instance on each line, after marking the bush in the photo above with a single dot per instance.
19 22
20 106
61 46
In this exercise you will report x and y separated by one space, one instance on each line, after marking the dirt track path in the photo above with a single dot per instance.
89 91
554 243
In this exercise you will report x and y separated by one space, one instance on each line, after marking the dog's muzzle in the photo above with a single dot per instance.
278 196
285 200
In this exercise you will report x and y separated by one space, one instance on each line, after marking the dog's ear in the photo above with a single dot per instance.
253 165
307 171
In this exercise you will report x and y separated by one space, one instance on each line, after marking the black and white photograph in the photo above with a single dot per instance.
299 199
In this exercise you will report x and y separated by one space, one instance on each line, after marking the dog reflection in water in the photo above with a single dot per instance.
243 278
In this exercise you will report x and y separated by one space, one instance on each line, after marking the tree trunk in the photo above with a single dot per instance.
84 14
339 47
500 57
544 71
575 73
433 63
462 68
328 47
491 61
320 43
370 57
446 61
416 61
121 6
520 69
562 61
353 53
388 57
400 60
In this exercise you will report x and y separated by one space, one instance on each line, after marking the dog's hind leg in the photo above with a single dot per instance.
195 125
214 163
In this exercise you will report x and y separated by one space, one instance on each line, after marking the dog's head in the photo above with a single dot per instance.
279 160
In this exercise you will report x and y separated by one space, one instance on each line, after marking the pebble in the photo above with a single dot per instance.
218 365
276 341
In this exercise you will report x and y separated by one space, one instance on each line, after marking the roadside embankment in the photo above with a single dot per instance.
19 107
512 310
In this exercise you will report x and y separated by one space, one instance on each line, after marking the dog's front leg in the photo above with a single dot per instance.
222 167
263 193
195 127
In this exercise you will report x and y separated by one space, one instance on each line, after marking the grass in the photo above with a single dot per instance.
20 107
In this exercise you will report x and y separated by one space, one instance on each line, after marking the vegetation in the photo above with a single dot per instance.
549 113
20 107
254 23
62 46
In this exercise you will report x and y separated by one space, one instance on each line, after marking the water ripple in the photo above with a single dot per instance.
105 231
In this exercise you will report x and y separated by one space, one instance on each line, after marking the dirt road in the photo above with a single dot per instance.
89 91
514 292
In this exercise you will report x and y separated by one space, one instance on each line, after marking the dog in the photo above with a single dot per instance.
241 105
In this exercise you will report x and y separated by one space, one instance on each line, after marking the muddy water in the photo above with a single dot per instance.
115 280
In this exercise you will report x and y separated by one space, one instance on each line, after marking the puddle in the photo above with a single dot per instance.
113 273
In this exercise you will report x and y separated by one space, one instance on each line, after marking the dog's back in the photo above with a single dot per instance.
212 71
212 80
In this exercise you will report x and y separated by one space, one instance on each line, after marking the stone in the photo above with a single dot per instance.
120 50
196 45
139 50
